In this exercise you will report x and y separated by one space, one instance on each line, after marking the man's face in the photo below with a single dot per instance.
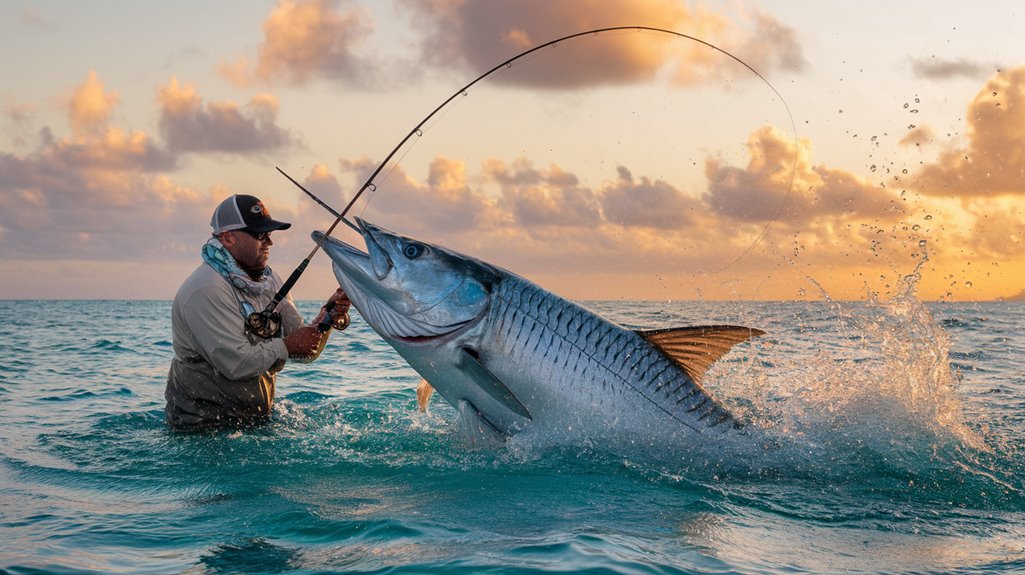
251 253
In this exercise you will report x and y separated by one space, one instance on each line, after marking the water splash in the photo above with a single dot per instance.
864 394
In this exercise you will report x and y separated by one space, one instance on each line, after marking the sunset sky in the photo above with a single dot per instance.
621 165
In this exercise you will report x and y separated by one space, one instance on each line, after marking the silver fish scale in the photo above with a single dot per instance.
578 346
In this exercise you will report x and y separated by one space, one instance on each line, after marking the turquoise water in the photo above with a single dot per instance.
884 437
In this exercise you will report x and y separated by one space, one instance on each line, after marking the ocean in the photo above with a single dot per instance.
882 437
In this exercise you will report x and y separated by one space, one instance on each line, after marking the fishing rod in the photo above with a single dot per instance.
266 323
260 319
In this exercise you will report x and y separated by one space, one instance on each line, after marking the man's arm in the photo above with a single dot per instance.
306 342
216 322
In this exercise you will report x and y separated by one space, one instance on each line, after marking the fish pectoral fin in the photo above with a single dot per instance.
489 382
423 395
696 348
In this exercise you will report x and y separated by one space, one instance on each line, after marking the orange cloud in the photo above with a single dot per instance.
918 136
189 125
90 107
850 236
85 194
444 201
993 161
781 183
304 40
479 34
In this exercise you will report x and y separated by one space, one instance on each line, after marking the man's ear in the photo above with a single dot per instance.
227 239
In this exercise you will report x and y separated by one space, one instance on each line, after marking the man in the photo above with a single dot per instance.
222 374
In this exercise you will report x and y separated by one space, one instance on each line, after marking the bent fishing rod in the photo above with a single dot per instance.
259 318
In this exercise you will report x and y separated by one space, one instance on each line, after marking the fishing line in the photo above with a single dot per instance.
417 130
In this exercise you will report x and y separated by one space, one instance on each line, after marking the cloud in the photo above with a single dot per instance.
939 69
90 106
303 40
445 201
537 198
648 203
993 161
189 125
772 45
997 230
763 190
17 120
918 136
100 193
544 223
479 34
33 19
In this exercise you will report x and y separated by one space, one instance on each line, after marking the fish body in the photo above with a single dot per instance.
521 357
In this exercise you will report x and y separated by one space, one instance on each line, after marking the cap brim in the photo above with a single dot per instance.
268 225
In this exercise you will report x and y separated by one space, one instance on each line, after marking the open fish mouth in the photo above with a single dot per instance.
360 274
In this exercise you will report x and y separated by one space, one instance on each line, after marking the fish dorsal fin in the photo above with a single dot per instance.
694 349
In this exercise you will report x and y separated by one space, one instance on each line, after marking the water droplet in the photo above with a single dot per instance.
872 168
906 105
916 227
922 243
968 284
928 217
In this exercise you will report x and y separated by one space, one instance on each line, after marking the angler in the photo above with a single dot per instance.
225 365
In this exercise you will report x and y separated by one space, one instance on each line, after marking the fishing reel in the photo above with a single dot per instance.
264 324
329 322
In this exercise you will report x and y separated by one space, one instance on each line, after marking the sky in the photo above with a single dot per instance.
775 150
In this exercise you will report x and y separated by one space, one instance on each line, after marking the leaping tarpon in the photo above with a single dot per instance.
518 357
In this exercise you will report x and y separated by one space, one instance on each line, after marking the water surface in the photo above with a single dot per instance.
884 437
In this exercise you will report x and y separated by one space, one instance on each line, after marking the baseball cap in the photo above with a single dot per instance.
242 212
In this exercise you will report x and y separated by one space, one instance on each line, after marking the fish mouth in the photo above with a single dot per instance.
360 274
436 340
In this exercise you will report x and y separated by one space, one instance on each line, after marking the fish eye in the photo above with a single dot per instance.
413 250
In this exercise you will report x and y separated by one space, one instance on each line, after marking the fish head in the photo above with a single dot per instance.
408 290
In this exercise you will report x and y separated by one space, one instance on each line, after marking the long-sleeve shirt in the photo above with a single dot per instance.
220 375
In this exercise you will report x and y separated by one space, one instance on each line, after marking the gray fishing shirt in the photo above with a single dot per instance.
220 375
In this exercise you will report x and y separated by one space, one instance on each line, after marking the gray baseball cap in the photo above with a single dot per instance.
246 213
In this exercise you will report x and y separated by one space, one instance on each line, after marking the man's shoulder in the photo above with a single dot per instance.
203 280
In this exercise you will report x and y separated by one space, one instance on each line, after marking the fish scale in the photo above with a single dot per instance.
600 351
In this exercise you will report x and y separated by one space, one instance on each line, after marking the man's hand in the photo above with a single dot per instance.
305 342
337 308
341 303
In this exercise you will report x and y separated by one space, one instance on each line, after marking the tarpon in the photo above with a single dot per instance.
519 357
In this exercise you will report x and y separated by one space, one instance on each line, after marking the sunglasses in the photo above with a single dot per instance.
261 236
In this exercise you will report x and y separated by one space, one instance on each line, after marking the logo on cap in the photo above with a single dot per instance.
259 209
